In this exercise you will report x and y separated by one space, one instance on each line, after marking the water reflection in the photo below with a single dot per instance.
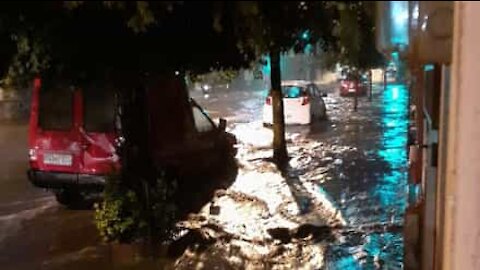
390 190
385 200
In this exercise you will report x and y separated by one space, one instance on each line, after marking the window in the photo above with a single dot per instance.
99 104
202 122
313 90
293 91
56 109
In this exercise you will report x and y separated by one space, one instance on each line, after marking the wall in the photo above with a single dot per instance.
14 105
462 196
298 66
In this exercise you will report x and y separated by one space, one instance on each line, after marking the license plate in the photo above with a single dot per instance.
57 159
351 90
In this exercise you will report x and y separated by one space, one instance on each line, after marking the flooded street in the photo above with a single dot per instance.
340 207
358 162
369 185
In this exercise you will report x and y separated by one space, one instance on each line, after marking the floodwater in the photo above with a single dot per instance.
371 183
356 162
347 174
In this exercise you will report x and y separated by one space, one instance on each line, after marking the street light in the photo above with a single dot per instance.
306 35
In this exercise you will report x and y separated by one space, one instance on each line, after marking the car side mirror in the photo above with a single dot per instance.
222 124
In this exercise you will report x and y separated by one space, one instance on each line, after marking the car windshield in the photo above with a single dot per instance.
55 109
203 123
291 91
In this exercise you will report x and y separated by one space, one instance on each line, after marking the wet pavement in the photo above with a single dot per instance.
35 232
357 160
347 179
370 183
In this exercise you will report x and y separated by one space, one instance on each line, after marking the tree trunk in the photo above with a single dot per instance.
355 96
355 101
370 86
279 144
385 79
137 171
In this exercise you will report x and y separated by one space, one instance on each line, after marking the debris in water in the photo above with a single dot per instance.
282 234
343 198
214 210
338 161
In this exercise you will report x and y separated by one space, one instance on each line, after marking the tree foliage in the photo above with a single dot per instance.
93 39
124 216
175 35
357 36
261 27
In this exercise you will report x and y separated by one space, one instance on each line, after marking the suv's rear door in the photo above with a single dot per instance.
54 133
98 131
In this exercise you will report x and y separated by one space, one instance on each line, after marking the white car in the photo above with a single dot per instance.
302 103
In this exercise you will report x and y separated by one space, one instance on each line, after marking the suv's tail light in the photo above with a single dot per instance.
268 100
37 83
305 100
32 154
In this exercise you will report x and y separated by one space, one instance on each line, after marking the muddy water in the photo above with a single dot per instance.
363 174
369 185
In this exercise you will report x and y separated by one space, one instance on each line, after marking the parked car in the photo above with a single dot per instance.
303 103
353 85
391 75
341 72
73 134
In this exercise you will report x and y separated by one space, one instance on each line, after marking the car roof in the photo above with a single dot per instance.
296 83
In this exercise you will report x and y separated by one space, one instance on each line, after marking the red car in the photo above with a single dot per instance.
352 85
73 137
71 140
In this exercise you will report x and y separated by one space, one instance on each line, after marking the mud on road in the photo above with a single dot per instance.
340 206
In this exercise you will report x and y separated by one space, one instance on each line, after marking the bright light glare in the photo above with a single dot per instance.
415 15
416 12
250 220
254 134
399 16
394 93
424 23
